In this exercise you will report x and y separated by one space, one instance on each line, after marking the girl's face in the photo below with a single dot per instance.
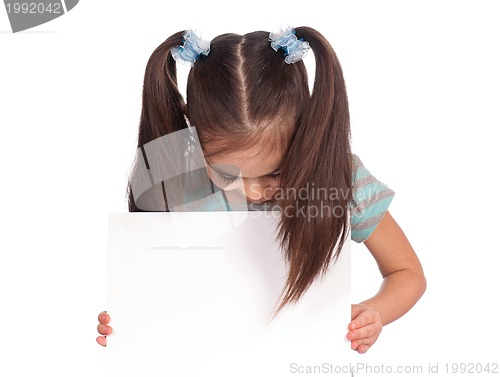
250 175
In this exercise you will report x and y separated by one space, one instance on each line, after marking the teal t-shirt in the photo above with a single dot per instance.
372 198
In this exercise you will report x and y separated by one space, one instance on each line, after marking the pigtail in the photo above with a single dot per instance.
318 162
162 113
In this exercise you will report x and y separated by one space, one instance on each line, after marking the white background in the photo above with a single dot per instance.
422 79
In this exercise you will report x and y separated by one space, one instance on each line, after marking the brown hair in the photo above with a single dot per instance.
244 90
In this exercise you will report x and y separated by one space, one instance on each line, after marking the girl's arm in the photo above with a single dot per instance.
403 285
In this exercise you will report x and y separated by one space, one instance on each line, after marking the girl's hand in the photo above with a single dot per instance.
102 328
365 327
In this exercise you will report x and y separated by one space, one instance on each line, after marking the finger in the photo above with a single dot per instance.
356 309
365 331
363 348
354 345
361 344
104 329
364 318
103 318
101 340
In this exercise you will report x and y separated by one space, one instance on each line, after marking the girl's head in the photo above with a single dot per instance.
255 118
245 102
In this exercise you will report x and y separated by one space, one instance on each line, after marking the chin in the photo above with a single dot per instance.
261 206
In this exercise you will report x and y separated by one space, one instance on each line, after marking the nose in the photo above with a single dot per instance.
256 192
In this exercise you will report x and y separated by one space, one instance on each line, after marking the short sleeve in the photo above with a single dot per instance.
371 201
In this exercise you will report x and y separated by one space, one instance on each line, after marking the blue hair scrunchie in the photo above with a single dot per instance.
295 49
193 46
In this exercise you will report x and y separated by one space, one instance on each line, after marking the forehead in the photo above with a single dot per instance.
250 163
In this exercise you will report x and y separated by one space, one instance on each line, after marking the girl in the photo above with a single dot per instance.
266 141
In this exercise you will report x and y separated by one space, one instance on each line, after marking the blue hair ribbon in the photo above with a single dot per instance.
191 49
285 39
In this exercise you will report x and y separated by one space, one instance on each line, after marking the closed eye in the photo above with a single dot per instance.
228 179
225 178
275 175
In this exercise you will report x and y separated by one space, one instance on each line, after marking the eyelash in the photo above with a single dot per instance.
229 180
226 180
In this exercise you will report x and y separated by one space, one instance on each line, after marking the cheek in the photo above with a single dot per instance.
266 186
270 182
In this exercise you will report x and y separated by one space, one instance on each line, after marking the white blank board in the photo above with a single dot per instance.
193 293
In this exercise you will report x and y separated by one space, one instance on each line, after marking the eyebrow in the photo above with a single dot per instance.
232 175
